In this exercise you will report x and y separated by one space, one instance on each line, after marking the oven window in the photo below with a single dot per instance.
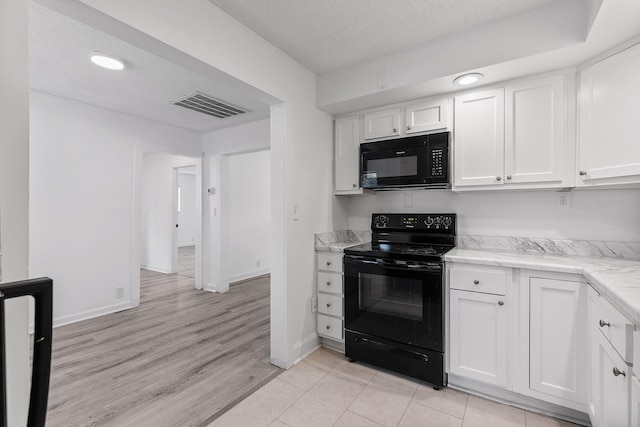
394 166
392 296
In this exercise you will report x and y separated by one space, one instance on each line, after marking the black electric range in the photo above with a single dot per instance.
394 294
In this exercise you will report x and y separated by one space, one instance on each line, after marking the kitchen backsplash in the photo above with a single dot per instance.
626 250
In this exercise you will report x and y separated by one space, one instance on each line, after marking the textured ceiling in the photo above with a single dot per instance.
59 65
326 35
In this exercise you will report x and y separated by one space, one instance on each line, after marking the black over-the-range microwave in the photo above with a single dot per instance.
417 161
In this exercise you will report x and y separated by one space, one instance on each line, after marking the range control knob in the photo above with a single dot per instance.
428 222
381 221
447 221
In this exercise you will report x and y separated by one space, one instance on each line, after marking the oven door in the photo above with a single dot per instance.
395 300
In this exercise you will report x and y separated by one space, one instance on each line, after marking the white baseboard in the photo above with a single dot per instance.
305 347
210 287
155 268
249 275
90 314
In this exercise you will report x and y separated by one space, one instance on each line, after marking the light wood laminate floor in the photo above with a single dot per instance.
178 359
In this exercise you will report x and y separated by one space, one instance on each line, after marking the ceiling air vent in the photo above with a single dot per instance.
208 105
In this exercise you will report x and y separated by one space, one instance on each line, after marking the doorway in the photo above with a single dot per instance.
184 255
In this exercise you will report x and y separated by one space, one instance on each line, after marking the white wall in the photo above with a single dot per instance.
14 196
609 215
187 214
300 135
249 229
218 147
158 207
82 201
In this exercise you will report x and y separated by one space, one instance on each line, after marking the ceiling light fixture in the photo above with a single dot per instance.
108 62
468 79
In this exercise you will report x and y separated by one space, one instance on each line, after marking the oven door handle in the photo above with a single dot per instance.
392 349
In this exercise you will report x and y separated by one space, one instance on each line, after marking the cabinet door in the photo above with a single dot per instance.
479 138
426 116
610 384
478 336
382 124
347 154
558 339
535 131
608 106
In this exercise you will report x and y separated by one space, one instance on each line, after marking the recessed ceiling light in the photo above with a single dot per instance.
108 62
468 79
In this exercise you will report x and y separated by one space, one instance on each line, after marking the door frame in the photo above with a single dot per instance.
142 148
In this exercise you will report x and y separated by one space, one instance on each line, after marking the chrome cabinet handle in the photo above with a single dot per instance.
500 303
476 282
582 173
498 178
617 372
509 177
603 323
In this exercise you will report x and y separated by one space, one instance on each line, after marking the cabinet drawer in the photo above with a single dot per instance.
329 282
329 327
329 261
479 279
330 304
614 326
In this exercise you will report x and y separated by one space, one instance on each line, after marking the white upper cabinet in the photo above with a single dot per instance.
514 137
609 125
536 131
426 116
479 138
382 124
347 153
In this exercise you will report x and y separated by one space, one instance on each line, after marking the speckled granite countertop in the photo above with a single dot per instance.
337 241
618 280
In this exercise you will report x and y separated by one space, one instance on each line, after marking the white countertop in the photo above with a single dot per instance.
617 280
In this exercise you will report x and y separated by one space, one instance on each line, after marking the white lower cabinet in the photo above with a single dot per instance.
610 385
329 297
610 394
478 336
554 319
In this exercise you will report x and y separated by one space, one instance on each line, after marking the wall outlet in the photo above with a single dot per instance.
408 200
258 262
119 293
565 200
314 304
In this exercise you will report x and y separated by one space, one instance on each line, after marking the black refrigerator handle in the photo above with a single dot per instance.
42 292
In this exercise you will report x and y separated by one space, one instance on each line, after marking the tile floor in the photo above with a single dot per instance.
326 390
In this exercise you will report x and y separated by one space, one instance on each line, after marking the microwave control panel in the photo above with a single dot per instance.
437 160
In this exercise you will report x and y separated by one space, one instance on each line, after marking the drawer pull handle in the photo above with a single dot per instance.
328 262
328 327
500 302
476 282
617 372
603 323
328 283
328 304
